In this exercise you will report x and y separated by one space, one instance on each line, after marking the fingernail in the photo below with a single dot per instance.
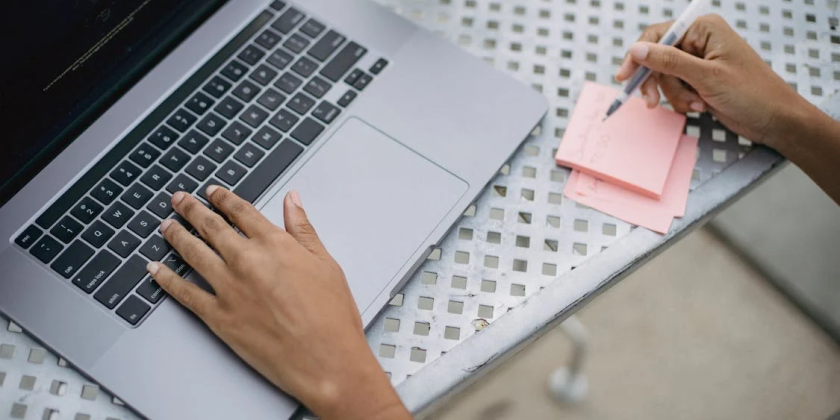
639 51
152 268
697 106
165 225
211 189
296 198
177 197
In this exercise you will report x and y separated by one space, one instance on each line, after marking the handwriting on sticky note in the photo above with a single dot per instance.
634 148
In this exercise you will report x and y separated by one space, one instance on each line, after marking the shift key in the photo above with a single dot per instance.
115 290
343 61
102 265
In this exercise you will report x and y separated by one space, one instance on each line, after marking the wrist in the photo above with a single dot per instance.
796 125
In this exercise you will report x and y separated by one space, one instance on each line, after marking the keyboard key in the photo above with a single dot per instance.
246 91
229 107
193 142
181 120
266 137
362 82
66 229
133 310
163 137
150 290
100 267
301 103
201 168
271 99
377 67
218 151
107 191
161 205
249 155
236 133
278 5
268 39
304 67
296 43
98 234
46 249
126 173
317 87
217 87
234 70
86 210
263 74
353 76
251 54
202 192
200 103
72 259
117 215
155 178
211 124
124 244
28 236
182 183
115 289
137 196
279 59
326 45
312 27
155 248
343 61
326 112
253 116
175 159
264 175
144 155
143 224
288 83
283 120
288 20
307 131
231 172
347 98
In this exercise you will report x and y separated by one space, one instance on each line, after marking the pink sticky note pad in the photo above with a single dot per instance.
634 148
674 196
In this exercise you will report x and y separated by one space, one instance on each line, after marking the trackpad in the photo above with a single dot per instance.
373 202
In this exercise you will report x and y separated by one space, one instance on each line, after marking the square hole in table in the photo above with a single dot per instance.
455 307
520 266
387 350
18 411
517 290
581 225
428 277
459 282
426 303
392 325
7 351
523 241
527 194
488 286
497 214
2 378
422 328
550 245
553 221
494 237
608 229
557 176
462 257
465 234
524 218
418 355
579 249
485 311
397 300
452 333
555 198
58 388
27 382
549 269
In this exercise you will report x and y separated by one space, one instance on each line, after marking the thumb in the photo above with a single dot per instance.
297 224
672 61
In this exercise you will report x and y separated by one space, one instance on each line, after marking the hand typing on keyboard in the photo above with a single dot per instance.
281 303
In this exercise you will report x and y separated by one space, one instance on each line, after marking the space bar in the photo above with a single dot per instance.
268 170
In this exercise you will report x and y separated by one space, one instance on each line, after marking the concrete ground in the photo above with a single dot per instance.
682 338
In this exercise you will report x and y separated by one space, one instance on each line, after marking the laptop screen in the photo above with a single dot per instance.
65 61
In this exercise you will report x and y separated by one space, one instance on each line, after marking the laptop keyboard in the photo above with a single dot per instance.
240 122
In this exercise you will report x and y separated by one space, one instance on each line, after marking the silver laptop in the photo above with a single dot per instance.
387 131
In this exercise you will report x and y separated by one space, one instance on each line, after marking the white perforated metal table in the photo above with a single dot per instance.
523 258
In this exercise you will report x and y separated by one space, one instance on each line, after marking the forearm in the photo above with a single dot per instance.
811 140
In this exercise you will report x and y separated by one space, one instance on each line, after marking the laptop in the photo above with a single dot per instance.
387 132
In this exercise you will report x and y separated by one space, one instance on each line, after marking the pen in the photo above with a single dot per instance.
671 38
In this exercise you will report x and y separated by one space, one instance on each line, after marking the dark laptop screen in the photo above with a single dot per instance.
65 61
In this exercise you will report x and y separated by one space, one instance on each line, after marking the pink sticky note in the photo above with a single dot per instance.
634 148
674 196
